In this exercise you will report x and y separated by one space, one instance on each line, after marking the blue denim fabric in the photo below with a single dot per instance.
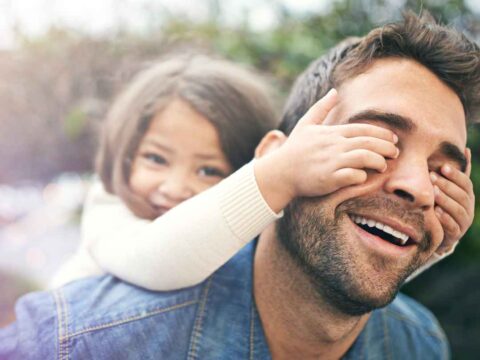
104 318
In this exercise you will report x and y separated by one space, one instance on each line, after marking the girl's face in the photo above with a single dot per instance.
179 156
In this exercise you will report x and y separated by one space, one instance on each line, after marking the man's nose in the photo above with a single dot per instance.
176 186
410 181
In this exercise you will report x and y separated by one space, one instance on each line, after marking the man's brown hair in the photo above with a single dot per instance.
449 54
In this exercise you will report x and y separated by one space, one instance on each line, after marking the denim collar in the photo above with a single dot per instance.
227 314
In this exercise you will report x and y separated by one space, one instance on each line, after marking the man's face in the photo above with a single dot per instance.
358 267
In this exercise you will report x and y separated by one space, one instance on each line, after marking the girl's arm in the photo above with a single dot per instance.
184 246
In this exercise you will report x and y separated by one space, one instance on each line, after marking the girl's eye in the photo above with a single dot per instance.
155 158
211 172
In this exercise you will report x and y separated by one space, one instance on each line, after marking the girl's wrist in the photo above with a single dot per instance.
273 181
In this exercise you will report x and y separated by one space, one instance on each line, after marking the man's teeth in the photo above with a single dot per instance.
372 223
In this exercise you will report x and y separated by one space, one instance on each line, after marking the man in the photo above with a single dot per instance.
320 283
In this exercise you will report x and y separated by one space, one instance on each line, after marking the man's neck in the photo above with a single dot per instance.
297 322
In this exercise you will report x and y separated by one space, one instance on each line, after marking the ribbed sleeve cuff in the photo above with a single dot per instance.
243 206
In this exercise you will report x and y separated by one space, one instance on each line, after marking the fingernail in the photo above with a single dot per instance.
436 190
398 152
395 138
433 177
439 210
447 169
331 92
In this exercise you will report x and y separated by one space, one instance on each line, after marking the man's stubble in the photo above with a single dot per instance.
341 278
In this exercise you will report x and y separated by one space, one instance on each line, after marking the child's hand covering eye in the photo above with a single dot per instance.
318 159
455 203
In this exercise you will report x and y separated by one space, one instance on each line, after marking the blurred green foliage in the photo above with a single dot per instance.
75 122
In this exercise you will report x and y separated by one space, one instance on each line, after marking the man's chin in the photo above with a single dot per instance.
358 294
358 305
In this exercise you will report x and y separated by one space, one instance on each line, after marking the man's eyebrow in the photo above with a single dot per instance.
395 121
453 153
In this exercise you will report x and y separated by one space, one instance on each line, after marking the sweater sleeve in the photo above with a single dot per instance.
187 244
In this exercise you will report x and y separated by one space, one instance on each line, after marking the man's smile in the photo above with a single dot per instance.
385 226
390 230
387 235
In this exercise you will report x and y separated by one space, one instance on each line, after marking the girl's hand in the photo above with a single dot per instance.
455 203
317 159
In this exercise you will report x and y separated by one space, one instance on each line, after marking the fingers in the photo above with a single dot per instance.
356 130
362 159
450 227
449 206
454 196
347 177
468 154
455 202
319 111
380 146
457 187
457 177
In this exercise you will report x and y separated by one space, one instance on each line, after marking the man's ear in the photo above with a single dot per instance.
270 142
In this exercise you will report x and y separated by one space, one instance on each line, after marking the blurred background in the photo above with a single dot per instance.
62 62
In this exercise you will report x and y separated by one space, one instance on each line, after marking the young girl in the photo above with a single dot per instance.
178 129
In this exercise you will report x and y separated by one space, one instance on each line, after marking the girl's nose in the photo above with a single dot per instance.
176 187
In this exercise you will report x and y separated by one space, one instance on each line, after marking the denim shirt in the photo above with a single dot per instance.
104 318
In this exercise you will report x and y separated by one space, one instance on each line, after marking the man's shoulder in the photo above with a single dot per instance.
410 312
105 301
99 301
103 315
410 328
89 315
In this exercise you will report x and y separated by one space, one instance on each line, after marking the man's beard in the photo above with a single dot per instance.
318 245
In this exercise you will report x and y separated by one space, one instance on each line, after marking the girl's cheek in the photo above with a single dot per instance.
142 181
